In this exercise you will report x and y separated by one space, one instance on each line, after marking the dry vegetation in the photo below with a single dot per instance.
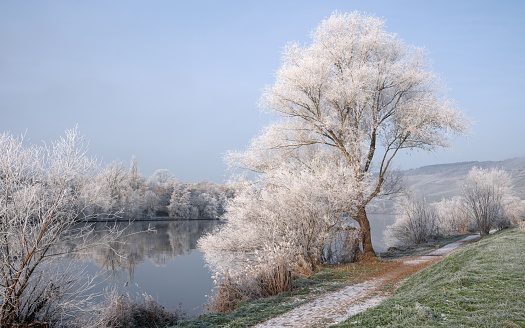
268 280
124 311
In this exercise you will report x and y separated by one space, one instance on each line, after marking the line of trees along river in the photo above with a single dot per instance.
53 197
133 196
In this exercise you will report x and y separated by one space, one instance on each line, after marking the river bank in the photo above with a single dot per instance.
326 280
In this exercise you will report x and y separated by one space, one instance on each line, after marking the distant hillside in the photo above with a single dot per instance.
438 181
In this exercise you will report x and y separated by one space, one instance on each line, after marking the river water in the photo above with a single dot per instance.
378 224
162 262
165 264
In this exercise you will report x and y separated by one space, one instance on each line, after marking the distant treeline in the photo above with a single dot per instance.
129 194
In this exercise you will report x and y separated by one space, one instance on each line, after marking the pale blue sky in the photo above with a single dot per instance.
176 83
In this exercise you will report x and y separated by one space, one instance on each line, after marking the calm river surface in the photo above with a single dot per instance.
165 263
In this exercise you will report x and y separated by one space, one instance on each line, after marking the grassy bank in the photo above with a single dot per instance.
326 279
481 285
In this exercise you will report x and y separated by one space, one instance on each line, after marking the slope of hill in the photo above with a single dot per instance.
442 181
438 181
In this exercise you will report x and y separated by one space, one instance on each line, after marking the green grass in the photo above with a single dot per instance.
481 285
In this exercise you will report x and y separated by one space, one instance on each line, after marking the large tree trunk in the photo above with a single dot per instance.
368 250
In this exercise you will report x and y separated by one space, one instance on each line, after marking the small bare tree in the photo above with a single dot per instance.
44 191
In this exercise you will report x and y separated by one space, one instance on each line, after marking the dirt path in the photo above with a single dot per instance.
335 307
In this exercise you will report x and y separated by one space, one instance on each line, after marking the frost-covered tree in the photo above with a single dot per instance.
202 200
126 192
206 204
114 180
484 193
161 177
45 192
514 209
358 91
136 180
217 197
180 202
162 184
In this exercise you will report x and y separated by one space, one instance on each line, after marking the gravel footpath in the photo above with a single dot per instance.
335 307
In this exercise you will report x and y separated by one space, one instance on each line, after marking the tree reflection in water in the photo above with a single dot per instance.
146 255
159 241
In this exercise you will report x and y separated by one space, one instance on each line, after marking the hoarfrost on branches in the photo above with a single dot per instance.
486 202
416 222
45 192
361 93
488 199
296 207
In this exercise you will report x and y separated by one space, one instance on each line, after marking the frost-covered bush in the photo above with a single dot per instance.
298 208
514 209
119 311
487 197
46 193
416 222
453 216
291 216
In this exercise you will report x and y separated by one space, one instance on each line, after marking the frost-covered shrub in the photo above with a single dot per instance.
453 216
487 196
416 222
292 216
252 282
514 209
124 311
298 209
